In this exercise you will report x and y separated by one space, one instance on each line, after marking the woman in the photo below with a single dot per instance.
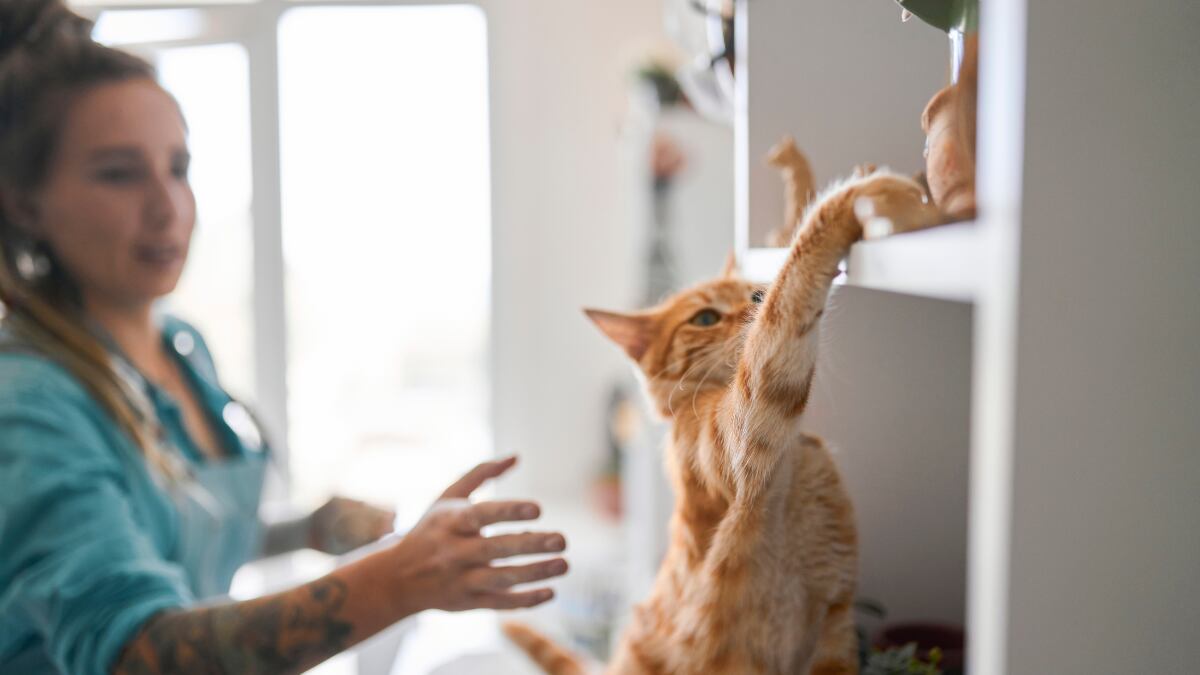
129 480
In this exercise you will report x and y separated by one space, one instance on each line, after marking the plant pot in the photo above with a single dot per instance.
945 15
947 638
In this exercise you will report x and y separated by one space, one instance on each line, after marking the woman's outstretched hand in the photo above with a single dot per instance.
446 563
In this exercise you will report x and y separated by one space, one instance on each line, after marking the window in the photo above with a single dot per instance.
386 231
211 84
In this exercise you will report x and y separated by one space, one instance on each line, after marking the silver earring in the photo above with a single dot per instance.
32 265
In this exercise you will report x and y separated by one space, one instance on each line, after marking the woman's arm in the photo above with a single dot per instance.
443 563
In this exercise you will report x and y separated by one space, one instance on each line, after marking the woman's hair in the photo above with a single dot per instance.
47 62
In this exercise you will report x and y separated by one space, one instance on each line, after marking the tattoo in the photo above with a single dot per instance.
285 633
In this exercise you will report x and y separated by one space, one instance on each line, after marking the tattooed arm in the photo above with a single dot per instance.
443 563
285 633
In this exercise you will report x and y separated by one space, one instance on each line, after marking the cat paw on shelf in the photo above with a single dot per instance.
894 204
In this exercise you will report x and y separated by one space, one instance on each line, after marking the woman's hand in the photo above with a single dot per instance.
343 525
445 562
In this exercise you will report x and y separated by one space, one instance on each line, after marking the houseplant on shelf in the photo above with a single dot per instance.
901 661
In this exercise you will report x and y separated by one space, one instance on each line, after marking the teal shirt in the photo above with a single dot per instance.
92 544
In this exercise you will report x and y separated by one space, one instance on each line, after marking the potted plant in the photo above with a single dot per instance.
901 661
938 644
906 648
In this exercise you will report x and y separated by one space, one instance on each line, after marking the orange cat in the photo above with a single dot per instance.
760 573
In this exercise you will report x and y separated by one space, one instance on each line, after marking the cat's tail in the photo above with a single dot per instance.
552 658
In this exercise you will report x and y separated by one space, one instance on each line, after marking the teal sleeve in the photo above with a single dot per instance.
77 566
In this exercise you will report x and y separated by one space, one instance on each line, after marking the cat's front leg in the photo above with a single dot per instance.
758 415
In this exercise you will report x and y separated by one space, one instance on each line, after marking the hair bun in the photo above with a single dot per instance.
27 23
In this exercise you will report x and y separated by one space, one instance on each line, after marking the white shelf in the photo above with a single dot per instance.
941 262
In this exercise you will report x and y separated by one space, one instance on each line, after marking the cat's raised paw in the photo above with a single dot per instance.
889 204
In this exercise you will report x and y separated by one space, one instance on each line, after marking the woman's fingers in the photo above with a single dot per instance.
515 600
483 551
478 476
478 516
494 579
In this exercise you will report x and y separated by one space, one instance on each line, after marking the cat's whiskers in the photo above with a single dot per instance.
662 374
679 385
696 394
713 358
699 361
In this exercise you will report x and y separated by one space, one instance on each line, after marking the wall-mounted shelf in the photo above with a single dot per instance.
1079 333
941 262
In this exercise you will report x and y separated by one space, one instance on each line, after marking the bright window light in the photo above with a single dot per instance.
212 85
387 245
147 25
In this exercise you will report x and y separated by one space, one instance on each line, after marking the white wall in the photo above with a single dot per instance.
702 196
1106 451
563 238
892 397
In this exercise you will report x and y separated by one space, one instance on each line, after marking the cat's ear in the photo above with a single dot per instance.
730 270
632 332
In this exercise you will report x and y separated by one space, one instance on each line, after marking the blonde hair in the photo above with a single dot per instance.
48 59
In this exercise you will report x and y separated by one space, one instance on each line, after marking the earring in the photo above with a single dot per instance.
32 265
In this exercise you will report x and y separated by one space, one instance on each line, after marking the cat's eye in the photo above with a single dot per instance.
757 296
705 318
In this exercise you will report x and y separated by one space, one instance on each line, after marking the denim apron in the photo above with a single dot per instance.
217 505
219 528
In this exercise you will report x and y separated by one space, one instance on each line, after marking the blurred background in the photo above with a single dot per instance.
404 204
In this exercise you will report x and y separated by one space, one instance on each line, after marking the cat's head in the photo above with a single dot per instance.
691 340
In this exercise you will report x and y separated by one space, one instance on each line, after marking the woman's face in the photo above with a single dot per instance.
116 207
